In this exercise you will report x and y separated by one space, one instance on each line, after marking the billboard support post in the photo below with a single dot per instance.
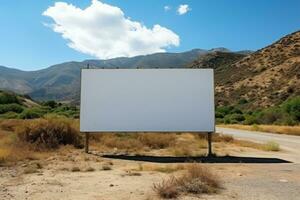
87 134
209 139
86 146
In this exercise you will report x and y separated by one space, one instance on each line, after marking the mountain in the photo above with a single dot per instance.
62 81
263 78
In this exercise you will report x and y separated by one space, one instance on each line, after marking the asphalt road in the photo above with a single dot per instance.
288 143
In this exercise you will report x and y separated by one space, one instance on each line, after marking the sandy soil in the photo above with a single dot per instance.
56 178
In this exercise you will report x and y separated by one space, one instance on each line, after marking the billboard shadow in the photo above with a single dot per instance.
202 159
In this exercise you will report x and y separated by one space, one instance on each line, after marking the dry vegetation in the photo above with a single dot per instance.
289 130
196 180
40 138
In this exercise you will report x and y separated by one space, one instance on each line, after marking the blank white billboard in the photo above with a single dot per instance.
130 100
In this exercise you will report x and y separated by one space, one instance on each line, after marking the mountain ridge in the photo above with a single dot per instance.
62 81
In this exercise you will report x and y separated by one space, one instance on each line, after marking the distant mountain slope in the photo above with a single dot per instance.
263 78
62 81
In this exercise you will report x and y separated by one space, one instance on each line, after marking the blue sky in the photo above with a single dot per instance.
27 43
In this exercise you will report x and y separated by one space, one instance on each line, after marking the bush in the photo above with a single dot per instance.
13 107
250 120
243 101
197 180
8 98
32 113
237 117
292 107
167 189
49 133
51 104
219 114
9 115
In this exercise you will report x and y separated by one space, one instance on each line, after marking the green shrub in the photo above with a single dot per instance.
219 120
49 133
225 110
242 101
269 116
8 98
51 104
219 115
237 117
234 118
9 115
32 113
292 107
13 107
250 119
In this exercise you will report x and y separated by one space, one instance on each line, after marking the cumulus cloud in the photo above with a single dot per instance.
183 9
103 31
167 8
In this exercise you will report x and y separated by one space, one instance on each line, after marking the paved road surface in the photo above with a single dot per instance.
289 143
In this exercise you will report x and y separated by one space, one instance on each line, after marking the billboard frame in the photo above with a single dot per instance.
209 133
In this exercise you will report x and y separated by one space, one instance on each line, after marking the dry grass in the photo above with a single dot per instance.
134 141
49 133
197 180
159 168
167 189
10 124
272 146
288 130
157 140
269 146
19 140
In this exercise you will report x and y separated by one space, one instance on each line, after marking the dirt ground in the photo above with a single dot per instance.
59 177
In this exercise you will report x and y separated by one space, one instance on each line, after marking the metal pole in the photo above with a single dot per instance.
209 136
87 137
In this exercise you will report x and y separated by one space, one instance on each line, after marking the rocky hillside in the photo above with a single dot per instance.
264 78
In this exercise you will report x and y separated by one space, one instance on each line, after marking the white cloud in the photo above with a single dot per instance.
103 31
183 9
167 8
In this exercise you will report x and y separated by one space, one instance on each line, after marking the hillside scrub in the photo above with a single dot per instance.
287 113
8 98
12 107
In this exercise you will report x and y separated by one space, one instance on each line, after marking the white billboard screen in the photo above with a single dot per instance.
130 100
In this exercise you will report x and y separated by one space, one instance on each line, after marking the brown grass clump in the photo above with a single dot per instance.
49 133
197 180
167 189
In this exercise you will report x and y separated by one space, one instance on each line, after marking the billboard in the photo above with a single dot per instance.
154 100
